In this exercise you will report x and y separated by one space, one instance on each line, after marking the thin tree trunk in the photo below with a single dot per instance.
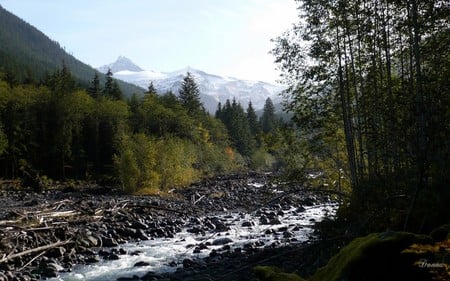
346 118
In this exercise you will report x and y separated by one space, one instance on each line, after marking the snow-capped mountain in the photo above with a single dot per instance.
121 64
213 88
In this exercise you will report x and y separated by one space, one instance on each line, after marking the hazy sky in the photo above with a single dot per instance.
226 37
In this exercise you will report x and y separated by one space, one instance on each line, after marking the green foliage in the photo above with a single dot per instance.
189 95
252 118
373 75
237 124
29 56
151 89
262 160
111 89
269 122
94 89
136 163
148 165
3 141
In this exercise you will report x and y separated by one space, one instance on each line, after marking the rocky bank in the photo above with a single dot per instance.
46 233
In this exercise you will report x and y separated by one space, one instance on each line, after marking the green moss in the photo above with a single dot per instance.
374 257
269 273
441 233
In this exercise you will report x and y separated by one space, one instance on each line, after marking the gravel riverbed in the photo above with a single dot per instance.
46 235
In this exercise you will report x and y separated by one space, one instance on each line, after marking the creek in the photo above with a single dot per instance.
208 236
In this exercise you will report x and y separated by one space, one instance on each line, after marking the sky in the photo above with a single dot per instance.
223 37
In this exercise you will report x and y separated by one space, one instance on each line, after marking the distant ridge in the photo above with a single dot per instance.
25 51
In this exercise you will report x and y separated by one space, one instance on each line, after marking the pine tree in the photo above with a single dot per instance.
111 88
151 89
108 88
268 119
252 119
61 82
189 95
95 90
235 120
116 93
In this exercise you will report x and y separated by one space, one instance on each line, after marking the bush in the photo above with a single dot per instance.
262 160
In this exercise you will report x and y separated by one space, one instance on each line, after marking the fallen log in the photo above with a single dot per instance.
34 250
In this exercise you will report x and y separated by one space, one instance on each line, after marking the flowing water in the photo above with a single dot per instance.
166 254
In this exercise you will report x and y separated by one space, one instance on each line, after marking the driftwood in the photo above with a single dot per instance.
34 250
198 200
10 222
157 208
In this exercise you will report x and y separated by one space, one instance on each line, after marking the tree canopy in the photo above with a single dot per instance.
375 70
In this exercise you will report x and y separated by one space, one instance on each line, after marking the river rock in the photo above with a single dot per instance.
113 257
92 259
56 252
139 225
109 242
93 242
308 201
135 277
3 276
189 263
54 266
141 263
151 276
222 241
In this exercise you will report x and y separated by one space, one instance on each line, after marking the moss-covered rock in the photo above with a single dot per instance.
377 256
441 233
270 273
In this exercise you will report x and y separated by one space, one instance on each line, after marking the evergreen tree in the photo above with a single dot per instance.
189 95
108 88
116 93
94 89
252 119
218 113
111 88
61 82
375 70
151 89
235 120
268 118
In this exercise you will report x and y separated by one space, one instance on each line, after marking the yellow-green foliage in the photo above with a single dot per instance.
261 159
366 256
213 159
135 163
269 273
175 159
147 164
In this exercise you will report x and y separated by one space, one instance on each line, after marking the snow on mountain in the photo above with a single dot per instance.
213 88
121 64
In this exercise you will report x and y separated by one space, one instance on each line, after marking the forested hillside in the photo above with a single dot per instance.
29 55
58 130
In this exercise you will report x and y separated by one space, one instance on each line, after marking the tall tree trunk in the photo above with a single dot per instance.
346 117
420 106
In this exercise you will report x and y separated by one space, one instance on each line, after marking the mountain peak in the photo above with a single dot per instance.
122 63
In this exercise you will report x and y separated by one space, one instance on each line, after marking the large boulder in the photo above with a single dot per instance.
377 256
